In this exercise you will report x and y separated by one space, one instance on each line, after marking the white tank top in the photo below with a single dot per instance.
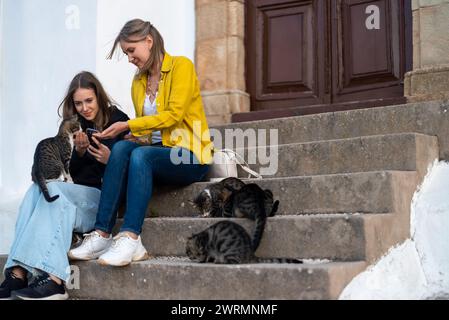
149 109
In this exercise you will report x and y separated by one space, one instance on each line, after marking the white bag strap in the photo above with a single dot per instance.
243 164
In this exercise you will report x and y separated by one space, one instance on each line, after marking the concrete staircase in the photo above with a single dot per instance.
345 182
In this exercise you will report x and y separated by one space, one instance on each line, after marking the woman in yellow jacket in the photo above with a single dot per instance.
168 141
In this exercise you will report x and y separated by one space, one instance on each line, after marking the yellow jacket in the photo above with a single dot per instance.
180 118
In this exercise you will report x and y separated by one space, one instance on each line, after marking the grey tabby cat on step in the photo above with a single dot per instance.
211 200
52 157
252 202
231 197
226 242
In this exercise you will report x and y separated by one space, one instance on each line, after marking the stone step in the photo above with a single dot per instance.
403 152
178 278
337 237
365 192
430 118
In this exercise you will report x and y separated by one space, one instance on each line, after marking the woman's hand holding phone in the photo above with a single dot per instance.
87 142
101 153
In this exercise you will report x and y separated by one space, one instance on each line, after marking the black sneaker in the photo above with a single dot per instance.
11 283
43 288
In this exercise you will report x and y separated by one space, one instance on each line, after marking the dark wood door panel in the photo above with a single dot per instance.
370 60
326 54
287 57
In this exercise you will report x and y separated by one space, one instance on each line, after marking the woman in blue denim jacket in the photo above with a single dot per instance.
44 229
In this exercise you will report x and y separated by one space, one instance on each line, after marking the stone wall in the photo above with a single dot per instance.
429 79
220 58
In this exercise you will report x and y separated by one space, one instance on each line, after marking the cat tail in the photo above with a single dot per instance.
260 226
274 209
278 260
40 180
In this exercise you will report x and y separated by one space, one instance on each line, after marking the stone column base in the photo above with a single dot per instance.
430 83
220 105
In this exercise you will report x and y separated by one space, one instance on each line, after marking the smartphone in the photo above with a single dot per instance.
90 132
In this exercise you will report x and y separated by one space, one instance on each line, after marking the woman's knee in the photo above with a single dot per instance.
122 149
123 146
143 156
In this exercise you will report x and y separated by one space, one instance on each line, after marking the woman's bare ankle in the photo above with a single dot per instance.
132 235
19 272
55 279
103 234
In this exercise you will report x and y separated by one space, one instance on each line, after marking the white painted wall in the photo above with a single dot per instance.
40 56
419 267
43 44
41 52
175 20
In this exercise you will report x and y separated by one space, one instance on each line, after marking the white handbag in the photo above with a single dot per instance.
225 164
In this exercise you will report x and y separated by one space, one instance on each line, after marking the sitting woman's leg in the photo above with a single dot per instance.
44 234
16 277
114 187
154 163
146 164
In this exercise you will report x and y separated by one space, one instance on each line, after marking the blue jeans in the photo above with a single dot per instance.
43 233
131 170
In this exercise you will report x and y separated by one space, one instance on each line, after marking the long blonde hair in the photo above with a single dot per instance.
141 29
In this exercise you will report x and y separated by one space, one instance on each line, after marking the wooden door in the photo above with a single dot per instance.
325 55
369 50
286 53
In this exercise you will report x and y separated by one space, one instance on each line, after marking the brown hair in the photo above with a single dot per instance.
87 80
141 29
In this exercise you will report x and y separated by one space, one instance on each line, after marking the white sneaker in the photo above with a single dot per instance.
123 251
93 246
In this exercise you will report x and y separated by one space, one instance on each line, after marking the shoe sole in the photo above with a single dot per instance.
58 296
103 262
73 258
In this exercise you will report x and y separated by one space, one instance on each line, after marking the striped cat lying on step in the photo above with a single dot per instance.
225 242
231 197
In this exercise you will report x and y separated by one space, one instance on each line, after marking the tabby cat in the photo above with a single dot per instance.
211 200
254 203
231 197
225 242
52 157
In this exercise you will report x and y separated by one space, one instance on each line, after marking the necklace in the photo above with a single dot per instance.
151 87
